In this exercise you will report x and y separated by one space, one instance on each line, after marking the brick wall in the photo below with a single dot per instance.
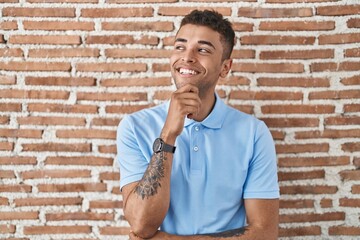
71 69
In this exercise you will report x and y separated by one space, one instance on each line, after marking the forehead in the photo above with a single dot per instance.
195 33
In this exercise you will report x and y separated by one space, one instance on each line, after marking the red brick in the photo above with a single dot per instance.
160 67
115 176
298 203
243 54
113 39
355 189
351 107
58 26
182 11
353 23
357 162
132 82
105 122
86 216
45 39
276 40
339 38
63 1
147 40
59 53
354 80
274 12
7 80
6 146
107 149
299 1
338 10
48 174
114 230
353 52
34 94
38 12
8 25
11 52
313 161
77 108
264 95
7 174
348 202
10 107
35 66
98 96
137 53
348 175
219 1
141 1
2 40
290 176
297 26
351 146
138 26
57 147
125 108
40 230
303 108
162 95
298 148
4 120
243 26
344 230
299 231
61 81
278 135
21 133
268 67
18 160
20 202
312 217
75 187
106 204
23 188
342 120
326 203
7 228
111 67
86 133
19 215
51 121
301 54
87 161
314 189
234 80
293 82
117 12
329 133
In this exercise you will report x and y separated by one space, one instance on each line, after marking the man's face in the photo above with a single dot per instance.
197 58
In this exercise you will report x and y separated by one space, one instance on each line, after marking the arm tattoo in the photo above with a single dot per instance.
230 233
150 182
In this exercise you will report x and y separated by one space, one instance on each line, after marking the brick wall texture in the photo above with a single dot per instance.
71 69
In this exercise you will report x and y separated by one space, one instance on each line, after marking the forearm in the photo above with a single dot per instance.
147 204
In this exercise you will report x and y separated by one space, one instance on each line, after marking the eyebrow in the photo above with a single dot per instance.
200 42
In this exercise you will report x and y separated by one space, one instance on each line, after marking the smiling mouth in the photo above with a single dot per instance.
186 71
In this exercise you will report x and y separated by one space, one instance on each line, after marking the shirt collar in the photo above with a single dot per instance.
216 117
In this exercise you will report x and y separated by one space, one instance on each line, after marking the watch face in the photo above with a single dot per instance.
157 147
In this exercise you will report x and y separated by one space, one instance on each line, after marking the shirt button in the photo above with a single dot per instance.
197 128
196 148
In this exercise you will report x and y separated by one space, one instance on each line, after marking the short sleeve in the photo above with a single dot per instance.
131 160
262 180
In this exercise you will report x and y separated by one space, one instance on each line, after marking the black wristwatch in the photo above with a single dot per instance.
160 146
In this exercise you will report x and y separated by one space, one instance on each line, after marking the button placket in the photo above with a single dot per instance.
195 148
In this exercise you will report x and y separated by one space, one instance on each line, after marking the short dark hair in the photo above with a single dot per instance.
216 22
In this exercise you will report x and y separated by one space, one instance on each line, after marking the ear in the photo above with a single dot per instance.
225 68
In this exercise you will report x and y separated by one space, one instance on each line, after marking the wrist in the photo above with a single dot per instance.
168 138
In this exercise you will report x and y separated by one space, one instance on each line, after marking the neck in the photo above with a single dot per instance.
207 104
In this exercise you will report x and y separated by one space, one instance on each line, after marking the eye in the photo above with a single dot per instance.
203 50
179 47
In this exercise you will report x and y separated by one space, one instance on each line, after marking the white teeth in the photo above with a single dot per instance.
187 71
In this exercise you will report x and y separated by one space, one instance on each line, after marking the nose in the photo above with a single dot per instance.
188 56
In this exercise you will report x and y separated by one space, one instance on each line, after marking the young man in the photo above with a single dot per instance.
193 166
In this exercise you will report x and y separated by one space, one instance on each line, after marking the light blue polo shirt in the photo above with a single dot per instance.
218 162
